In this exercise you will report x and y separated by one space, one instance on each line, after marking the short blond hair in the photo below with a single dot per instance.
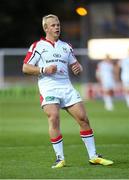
44 20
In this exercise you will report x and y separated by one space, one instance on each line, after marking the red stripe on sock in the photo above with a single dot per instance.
53 140
87 132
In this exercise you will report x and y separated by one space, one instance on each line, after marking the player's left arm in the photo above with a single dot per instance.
76 68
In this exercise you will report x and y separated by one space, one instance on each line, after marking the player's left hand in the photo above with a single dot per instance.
76 68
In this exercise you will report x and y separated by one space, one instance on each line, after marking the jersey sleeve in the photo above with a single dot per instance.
32 56
72 58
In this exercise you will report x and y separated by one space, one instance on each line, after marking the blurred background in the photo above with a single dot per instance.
20 25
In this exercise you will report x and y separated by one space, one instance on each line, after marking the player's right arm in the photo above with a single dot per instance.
35 70
31 60
30 69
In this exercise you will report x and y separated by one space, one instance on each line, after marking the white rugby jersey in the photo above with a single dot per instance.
44 53
106 72
124 64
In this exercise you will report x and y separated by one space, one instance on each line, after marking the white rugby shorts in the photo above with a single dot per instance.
63 96
109 84
125 83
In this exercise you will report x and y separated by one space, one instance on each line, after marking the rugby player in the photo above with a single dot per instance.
50 59
123 66
105 74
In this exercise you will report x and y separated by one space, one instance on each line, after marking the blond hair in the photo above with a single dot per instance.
44 20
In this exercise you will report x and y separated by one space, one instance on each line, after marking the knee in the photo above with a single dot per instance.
53 115
53 119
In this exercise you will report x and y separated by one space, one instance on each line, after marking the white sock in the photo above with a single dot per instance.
57 144
88 139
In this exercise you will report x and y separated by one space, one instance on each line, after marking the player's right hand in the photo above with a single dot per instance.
50 69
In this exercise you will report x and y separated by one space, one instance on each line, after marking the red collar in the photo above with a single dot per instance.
52 43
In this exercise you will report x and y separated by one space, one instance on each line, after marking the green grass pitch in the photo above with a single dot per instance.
26 152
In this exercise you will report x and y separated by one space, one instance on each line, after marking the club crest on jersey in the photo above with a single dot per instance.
57 55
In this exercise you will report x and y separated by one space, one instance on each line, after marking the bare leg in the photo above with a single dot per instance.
52 111
79 113
86 133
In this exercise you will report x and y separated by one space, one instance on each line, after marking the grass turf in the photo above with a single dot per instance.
26 153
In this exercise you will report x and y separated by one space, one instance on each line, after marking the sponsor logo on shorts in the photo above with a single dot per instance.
49 98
